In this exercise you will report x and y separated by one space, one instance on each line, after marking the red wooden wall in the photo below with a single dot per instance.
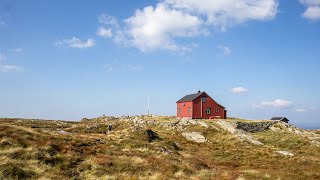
210 103
184 109
195 109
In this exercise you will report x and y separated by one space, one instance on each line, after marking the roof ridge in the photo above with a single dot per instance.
191 97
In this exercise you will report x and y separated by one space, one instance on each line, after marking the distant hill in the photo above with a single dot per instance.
142 147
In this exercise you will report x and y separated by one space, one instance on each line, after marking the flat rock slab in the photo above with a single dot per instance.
194 136
286 153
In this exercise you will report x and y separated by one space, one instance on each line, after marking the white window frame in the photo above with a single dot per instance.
208 110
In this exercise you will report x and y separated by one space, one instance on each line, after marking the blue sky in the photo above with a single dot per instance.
74 59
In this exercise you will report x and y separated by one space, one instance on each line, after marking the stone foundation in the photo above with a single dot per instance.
254 126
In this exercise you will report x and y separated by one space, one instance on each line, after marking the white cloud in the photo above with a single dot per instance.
2 57
305 109
301 110
239 90
124 67
226 13
6 67
312 12
9 68
15 50
75 43
107 20
156 28
163 25
103 32
313 9
278 103
225 50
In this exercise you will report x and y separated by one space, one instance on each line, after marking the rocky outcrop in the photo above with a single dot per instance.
286 153
151 135
232 128
61 131
288 128
194 136
254 126
181 123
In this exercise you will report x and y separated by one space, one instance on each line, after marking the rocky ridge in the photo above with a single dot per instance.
239 129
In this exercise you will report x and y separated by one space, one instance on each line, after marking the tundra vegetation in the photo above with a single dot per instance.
142 147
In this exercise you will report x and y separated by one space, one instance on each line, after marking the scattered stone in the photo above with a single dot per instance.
203 124
62 132
110 127
176 146
137 128
286 153
313 137
248 138
151 135
195 136
164 150
231 127
181 123
254 126
316 143
138 121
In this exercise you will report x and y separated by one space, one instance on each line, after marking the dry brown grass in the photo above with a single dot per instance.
33 149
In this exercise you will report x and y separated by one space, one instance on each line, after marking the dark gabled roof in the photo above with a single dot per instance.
190 97
279 118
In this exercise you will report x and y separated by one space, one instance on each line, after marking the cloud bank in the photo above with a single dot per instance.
239 90
278 103
103 32
9 68
5 67
163 26
75 43
225 50
313 9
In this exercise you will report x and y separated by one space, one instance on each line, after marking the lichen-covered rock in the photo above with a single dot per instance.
194 136
286 153
254 126
203 124
151 135
231 127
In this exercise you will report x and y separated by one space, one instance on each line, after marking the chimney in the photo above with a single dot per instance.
199 91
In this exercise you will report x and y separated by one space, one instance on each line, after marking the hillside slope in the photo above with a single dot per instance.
171 149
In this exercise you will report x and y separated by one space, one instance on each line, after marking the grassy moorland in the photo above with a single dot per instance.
39 149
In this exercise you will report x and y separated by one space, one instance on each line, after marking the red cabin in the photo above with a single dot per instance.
200 106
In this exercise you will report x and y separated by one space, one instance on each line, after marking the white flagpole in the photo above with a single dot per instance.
148 105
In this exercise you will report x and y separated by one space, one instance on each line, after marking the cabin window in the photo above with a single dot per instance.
208 111
189 110
203 99
218 110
